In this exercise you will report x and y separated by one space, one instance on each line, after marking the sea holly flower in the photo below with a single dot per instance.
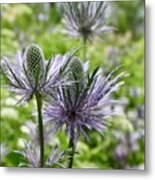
85 19
84 105
31 151
57 157
32 156
30 73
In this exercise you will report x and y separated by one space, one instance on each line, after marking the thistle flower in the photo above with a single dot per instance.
30 73
56 157
32 155
84 105
85 19
31 150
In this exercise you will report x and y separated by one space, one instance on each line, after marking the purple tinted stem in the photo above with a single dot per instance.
72 148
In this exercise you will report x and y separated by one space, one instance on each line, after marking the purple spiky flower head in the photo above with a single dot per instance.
84 105
31 73
85 19
31 153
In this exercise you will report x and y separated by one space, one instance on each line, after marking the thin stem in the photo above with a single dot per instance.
84 48
72 147
41 133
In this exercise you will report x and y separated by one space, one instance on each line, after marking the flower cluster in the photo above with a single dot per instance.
73 97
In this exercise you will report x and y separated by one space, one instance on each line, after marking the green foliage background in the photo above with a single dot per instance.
22 24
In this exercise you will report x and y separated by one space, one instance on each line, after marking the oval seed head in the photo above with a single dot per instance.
35 63
76 68
76 74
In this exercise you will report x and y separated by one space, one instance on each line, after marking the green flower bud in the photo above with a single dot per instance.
35 63
76 68
76 74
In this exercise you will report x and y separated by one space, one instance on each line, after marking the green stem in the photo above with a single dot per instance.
84 49
40 124
72 147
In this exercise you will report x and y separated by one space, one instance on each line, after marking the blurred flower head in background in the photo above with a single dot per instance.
30 128
3 152
85 19
32 153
